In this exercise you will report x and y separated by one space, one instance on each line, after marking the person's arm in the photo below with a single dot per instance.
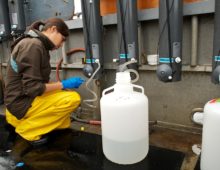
72 82
53 86
29 68
28 61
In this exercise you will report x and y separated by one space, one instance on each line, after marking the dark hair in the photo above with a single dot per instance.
59 23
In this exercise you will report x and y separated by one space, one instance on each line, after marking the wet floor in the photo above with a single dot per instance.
67 150
74 150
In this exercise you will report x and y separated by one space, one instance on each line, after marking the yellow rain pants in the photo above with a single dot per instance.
48 112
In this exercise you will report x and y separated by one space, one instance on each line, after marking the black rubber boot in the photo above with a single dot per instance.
7 134
39 142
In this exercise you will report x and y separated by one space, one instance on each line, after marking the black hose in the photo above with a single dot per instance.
168 32
123 17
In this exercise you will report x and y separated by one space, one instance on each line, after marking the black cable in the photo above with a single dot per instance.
87 25
91 16
169 34
123 36
167 22
163 28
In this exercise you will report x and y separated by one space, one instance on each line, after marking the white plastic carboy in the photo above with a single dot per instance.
211 136
124 120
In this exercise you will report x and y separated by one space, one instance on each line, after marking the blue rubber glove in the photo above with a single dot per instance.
73 82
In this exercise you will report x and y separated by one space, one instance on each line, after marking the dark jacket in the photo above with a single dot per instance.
27 72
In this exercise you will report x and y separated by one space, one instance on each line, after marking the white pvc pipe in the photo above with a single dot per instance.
194 48
64 53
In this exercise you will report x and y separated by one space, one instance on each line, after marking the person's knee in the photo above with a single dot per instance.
74 99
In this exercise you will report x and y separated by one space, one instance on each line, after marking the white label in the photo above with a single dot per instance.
2 28
14 17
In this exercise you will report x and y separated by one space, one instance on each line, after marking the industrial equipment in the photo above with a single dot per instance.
5 30
127 32
17 16
170 40
216 46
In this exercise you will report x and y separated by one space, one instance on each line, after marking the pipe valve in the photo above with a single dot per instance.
216 75
88 70
178 60
164 73
115 60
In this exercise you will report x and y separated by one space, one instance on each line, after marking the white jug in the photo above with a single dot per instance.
124 120
211 136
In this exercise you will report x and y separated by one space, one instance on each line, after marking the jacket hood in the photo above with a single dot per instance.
49 45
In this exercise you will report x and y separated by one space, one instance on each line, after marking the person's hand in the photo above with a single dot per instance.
73 82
